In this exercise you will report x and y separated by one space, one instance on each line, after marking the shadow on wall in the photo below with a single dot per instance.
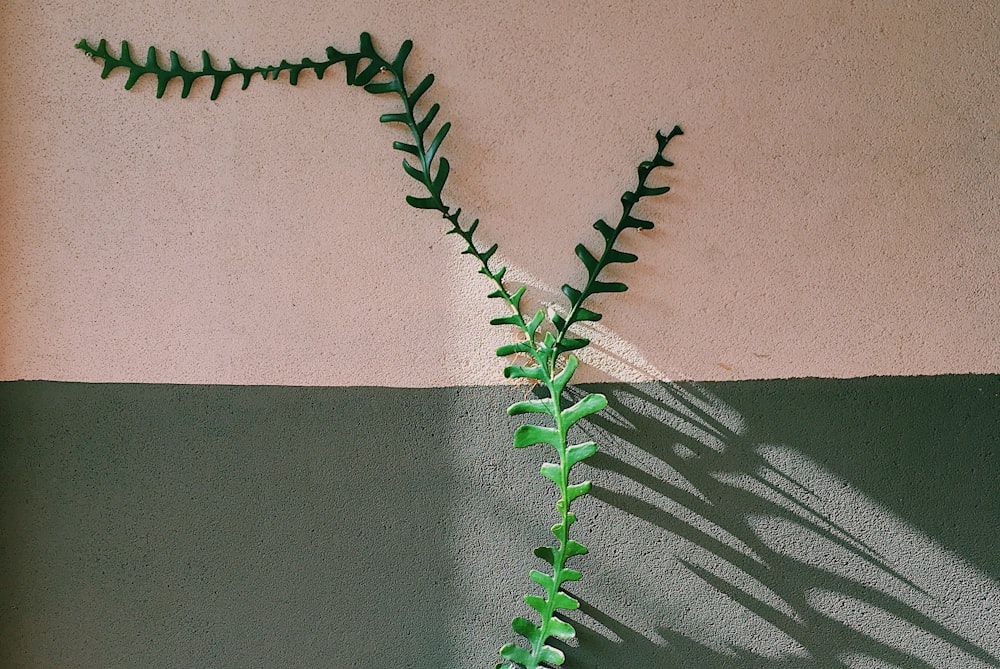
788 524
826 523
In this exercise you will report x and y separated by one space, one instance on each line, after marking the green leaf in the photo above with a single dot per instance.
572 293
652 191
574 548
414 172
515 654
590 404
578 490
565 602
573 343
409 148
607 287
400 59
552 472
544 580
584 314
397 117
570 575
527 629
438 138
563 378
606 230
579 452
584 254
551 655
429 118
532 406
637 223
442 174
380 87
536 602
614 255
561 629
421 88
518 372
535 322
513 319
529 435
515 298
546 553
422 202
511 349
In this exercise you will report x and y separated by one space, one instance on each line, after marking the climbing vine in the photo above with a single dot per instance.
546 352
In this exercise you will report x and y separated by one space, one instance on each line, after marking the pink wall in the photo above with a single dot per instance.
835 207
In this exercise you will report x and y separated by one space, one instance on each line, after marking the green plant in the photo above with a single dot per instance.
545 341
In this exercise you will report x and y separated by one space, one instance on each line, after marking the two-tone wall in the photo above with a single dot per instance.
250 414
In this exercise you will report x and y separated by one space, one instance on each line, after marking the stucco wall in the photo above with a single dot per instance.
834 210
834 215
799 524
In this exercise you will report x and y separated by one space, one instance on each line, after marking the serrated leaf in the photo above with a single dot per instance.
551 655
552 472
584 254
574 548
515 654
527 629
590 404
578 490
544 405
580 452
561 629
529 435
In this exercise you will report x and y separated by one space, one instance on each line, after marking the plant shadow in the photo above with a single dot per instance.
784 563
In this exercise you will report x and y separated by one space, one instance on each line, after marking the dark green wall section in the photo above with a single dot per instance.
773 524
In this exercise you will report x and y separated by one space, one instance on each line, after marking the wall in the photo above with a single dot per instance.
263 407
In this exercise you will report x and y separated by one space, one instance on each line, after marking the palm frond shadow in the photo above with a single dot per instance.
722 481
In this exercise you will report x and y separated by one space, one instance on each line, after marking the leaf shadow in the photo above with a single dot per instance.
722 482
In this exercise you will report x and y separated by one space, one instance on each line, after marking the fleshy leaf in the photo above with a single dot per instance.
578 452
529 435
590 404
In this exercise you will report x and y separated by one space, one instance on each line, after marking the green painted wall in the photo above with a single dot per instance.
792 523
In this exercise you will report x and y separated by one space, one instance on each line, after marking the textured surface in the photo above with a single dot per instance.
834 209
800 524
